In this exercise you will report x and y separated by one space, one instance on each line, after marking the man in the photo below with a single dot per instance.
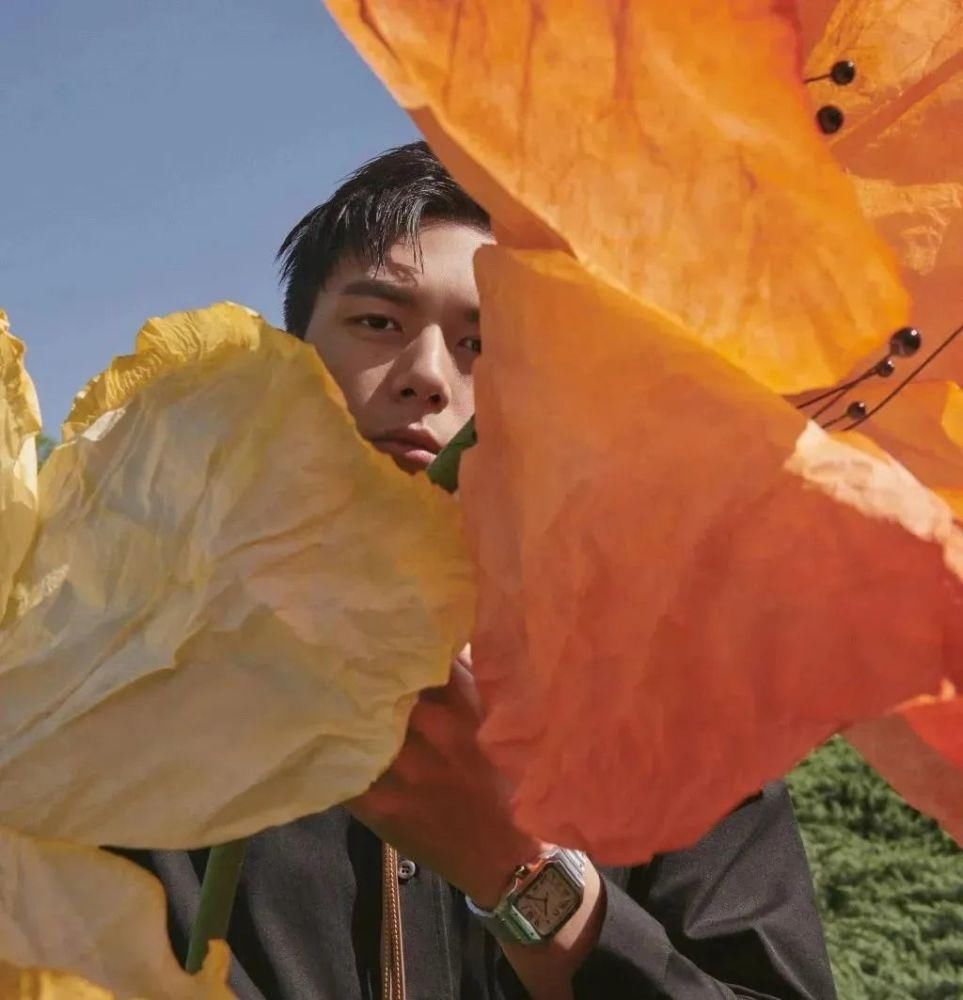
379 279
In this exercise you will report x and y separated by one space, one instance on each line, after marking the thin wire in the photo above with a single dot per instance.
909 378
835 420
813 79
830 403
837 392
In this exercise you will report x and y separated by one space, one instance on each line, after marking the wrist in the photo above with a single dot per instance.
547 971
493 875
542 896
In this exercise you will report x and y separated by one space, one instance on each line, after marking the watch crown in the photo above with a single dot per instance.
557 871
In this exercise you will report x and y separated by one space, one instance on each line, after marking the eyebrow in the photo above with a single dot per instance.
372 288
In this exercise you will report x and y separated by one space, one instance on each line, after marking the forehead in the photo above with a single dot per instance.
442 255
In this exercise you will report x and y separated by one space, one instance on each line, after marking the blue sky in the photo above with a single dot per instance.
153 156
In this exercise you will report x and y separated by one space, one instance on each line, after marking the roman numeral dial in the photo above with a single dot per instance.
548 902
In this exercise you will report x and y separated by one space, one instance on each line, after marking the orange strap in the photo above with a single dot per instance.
392 940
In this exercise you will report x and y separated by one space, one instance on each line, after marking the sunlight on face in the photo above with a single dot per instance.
401 340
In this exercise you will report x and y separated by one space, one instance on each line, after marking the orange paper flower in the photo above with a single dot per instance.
684 586
919 749
899 134
667 145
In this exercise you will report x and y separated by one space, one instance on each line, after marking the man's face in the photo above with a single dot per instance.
401 340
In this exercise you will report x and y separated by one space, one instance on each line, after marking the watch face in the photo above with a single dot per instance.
548 902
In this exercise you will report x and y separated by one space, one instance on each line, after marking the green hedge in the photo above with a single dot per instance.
889 883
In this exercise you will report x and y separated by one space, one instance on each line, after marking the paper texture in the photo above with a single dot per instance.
19 426
230 603
919 749
902 141
65 907
683 585
668 146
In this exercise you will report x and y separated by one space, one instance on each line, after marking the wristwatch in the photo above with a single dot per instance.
540 899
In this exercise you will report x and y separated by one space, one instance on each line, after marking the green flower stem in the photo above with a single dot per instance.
443 471
217 900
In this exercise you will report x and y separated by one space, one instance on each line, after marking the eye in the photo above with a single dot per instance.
376 321
473 344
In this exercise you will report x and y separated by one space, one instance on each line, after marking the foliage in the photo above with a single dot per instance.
889 883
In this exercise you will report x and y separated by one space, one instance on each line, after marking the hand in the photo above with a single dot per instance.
442 803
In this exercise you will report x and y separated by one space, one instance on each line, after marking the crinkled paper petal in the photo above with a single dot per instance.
682 165
19 426
919 748
44 984
922 427
683 585
902 141
232 603
919 751
77 923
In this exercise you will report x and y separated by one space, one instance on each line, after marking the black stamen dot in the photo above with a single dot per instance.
843 72
885 368
856 411
829 119
905 342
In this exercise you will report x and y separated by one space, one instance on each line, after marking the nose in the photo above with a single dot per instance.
423 370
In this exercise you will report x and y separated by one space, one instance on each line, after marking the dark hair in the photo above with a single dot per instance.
387 199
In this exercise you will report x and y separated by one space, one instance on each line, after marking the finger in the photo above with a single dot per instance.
464 657
464 689
460 665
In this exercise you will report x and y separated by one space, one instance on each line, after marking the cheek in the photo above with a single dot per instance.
358 373
463 394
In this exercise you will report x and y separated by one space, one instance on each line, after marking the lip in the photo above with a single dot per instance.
411 447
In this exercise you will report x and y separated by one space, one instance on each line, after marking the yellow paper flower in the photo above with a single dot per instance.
77 923
44 984
230 602
19 426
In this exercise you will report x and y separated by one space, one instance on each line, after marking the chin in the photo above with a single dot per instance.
407 465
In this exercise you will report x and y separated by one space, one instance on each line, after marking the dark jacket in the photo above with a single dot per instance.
731 917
